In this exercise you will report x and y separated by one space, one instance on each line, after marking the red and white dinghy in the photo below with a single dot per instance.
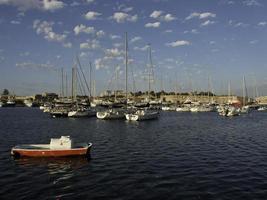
58 147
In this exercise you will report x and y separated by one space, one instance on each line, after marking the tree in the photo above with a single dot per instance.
5 92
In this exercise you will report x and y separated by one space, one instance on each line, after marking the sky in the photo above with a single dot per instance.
196 45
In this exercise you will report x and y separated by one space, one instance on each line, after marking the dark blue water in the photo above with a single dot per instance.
179 156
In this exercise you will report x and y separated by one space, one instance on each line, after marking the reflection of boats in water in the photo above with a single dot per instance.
54 164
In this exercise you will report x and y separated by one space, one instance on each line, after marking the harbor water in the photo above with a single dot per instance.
178 156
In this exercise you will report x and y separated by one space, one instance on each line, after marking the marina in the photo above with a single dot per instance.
133 100
182 154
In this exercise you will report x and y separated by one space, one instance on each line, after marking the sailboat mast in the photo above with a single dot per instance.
90 76
72 86
149 72
126 67
66 85
62 83
244 92
116 84
229 91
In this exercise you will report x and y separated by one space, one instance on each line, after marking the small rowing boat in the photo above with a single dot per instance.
58 147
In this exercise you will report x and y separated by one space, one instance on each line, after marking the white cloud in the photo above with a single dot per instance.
99 63
46 29
23 5
114 37
83 29
90 44
91 15
67 45
32 65
100 33
254 41
90 1
117 45
127 9
84 54
262 23
207 23
168 31
75 3
52 5
251 3
178 43
135 39
24 54
15 22
141 48
152 25
115 52
168 18
240 24
201 15
121 17
193 31
237 24
156 13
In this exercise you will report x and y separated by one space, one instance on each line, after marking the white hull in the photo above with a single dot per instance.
85 113
262 109
167 108
201 109
183 109
140 116
28 104
110 115
229 111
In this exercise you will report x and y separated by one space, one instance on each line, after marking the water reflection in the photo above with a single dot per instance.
54 165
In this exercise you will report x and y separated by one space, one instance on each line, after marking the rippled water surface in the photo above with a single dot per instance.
179 156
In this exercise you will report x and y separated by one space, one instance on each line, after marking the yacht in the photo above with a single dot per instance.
140 115
263 108
81 112
10 103
110 114
183 109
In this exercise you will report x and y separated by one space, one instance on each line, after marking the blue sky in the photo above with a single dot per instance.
192 41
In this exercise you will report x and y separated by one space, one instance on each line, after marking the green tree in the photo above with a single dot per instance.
5 92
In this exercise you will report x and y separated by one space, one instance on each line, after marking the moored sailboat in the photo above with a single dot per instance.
141 115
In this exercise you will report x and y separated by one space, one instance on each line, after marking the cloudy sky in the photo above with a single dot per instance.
192 42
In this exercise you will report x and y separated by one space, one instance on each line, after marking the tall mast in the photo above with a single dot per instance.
126 67
209 89
66 85
244 91
149 71
90 76
73 84
62 83
116 84
229 91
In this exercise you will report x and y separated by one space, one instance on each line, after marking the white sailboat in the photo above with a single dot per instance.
80 112
76 110
244 109
110 114
183 109
144 114
141 115
118 113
